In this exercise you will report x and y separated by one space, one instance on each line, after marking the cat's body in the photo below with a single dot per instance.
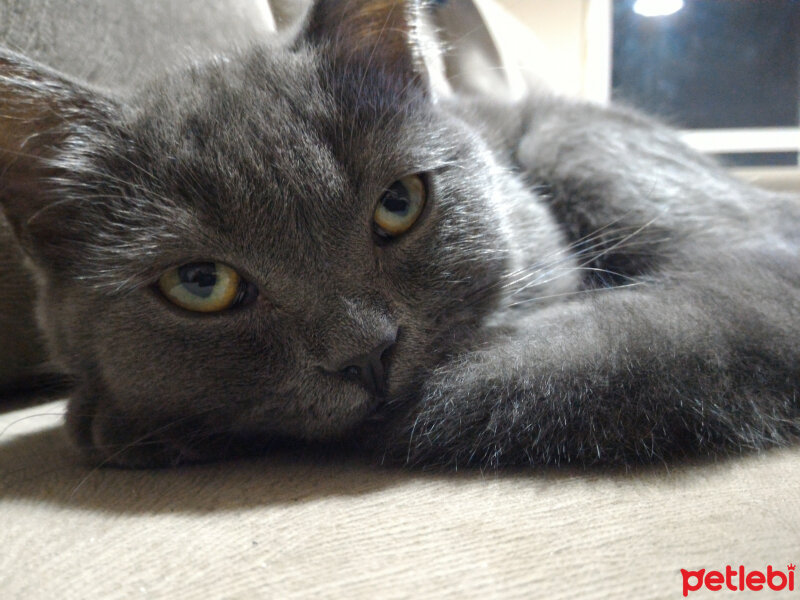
577 286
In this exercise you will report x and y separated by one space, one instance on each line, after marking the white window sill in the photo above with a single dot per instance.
775 178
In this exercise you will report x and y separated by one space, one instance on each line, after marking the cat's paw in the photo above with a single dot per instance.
455 424
496 411
463 415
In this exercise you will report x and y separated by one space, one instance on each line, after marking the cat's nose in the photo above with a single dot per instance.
370 368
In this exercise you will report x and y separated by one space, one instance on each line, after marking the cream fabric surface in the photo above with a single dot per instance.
300 525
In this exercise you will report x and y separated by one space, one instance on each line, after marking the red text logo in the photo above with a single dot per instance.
739 579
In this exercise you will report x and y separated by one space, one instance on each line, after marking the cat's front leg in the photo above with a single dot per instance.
626 376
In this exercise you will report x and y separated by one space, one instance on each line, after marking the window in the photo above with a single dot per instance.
727 72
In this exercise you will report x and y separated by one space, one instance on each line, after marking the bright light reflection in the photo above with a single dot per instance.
657 8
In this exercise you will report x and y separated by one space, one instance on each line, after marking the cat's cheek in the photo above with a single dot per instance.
107 435
120 444
79 417
112 438
109 438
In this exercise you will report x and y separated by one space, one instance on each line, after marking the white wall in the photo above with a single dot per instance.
565 43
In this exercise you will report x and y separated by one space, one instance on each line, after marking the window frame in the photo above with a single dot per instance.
597 71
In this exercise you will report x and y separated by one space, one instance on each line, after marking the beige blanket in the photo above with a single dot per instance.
300 525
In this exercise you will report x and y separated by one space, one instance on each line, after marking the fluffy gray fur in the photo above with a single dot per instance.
580 288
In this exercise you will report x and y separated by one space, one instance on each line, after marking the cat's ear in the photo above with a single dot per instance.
43 115
389 35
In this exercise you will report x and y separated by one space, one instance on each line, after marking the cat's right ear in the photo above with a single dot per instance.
43 115
389 36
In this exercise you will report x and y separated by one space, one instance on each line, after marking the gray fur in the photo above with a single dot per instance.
581 287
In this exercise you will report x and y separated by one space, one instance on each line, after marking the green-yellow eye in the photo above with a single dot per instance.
203 286
400 206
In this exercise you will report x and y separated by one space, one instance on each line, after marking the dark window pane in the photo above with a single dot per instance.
759 159
714 63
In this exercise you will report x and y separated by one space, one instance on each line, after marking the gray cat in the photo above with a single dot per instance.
302 241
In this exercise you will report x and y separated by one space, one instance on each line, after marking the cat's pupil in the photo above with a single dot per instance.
396 199
199 279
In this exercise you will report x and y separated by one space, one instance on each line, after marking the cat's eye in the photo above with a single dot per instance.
206 287
400 206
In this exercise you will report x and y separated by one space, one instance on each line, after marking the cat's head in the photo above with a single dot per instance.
271 244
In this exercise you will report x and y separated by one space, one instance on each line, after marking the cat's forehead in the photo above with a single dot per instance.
278 112
268 151
262 113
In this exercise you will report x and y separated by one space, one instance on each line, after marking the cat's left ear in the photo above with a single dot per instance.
391 36
44 116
